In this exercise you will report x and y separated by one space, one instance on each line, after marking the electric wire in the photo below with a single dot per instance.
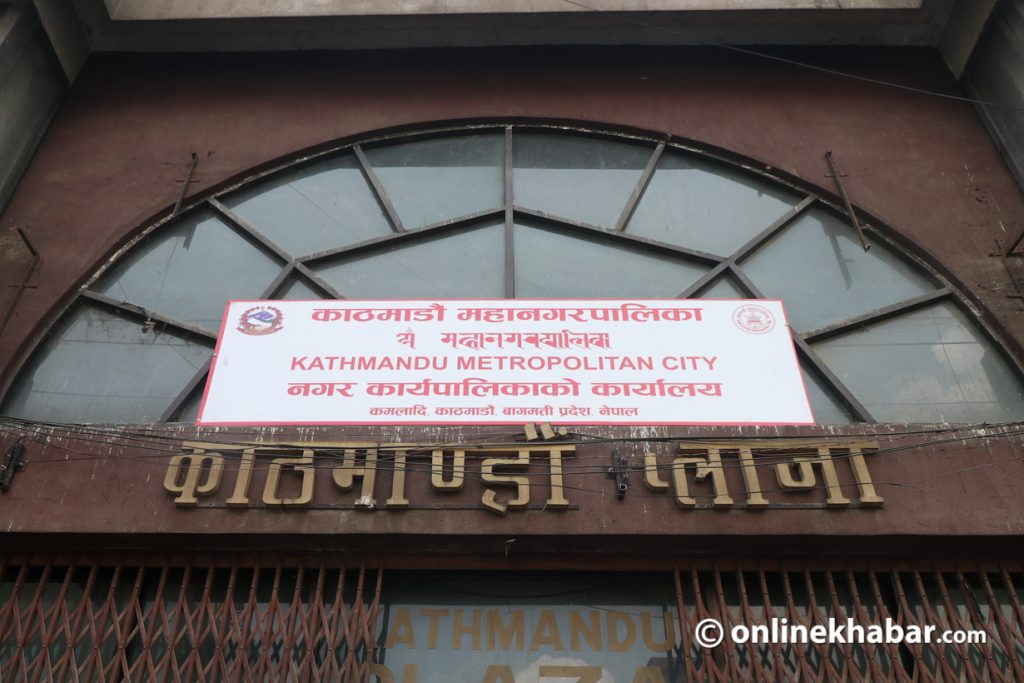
618 15
335 456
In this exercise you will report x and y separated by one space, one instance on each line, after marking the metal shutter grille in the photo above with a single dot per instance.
173 620
89 622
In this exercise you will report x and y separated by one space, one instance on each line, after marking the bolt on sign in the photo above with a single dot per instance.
663 362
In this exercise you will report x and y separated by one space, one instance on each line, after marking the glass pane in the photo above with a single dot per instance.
818 267
298 290
584 179
551 264
723 288
703 205
428 181
453 265
313 209
827 409
98 367
190 409
189 270
930 365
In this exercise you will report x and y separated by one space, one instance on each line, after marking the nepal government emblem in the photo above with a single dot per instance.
260 320
753 319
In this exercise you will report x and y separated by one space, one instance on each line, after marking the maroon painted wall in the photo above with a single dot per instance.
119 147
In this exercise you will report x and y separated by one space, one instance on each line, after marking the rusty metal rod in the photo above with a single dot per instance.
846 202
185 184
1013 245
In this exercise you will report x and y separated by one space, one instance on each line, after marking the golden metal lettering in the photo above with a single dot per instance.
805 478
707 465
192 475
557 500
303 466
240 497
196 465
652 479
437 479
520 482
347 472
750 479
865 487
398 499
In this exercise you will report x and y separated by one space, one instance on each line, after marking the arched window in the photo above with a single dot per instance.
520 211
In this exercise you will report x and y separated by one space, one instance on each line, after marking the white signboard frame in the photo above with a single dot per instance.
507 361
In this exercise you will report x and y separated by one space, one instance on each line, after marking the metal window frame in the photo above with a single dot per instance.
299 267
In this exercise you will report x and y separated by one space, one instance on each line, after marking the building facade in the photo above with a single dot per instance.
578 155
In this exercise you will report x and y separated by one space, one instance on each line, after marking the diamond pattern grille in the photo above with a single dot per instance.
174 620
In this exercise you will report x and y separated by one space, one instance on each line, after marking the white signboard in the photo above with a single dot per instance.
666 362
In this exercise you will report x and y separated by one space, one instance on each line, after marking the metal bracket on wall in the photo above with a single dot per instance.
13 461
837 176
619 471
185 183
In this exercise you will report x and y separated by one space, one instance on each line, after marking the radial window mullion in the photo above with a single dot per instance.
439 178
582 178
510 254
638 191
706 281
275 287
875 316
464 263
378 190
546 254
744 282
317 282
726 282
850 402
766 234
397 238
613 237
241 224
145 315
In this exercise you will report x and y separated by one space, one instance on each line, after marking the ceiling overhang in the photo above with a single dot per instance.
229 25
